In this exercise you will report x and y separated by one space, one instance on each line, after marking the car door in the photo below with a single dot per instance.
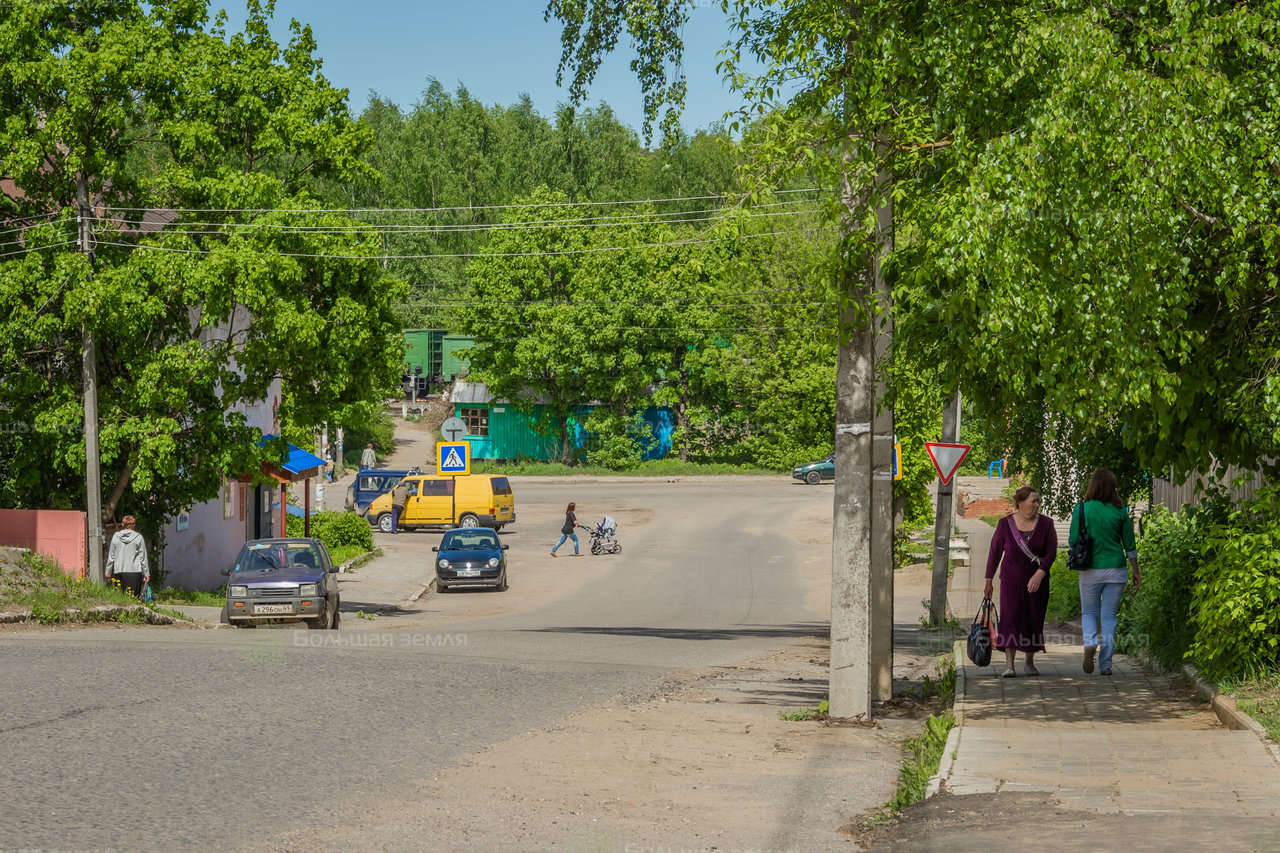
435 501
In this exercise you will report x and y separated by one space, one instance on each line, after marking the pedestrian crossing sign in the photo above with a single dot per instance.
453 457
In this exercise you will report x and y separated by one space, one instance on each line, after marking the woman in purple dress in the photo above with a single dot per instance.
1024 547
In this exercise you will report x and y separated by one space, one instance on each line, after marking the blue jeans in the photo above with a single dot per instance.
564 536
396 511
1100 601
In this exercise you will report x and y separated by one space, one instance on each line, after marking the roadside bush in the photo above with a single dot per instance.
1157 618
1236 599
1064 592
617 442
335 529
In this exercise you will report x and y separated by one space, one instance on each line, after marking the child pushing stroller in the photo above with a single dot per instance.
604 537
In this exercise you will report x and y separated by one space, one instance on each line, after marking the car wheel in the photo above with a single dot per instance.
502 584
384 522
441 588
321 622
337 614
813 478
469 520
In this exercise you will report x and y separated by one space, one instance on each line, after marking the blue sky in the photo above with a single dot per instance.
497 48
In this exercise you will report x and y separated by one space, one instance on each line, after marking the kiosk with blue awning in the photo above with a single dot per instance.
297 465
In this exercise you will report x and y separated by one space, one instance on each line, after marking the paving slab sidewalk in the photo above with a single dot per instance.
1136 742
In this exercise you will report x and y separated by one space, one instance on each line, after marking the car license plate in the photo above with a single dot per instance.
272 608
468 573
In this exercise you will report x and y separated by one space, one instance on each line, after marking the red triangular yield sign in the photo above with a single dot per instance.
946 458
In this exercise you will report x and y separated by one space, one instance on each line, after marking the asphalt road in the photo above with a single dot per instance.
159 738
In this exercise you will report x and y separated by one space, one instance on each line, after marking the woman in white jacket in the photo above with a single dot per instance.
127 559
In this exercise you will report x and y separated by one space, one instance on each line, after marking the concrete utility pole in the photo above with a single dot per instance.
89 374
882 516
942 520
862 628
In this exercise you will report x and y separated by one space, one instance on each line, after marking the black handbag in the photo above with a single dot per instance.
1080 555
979 645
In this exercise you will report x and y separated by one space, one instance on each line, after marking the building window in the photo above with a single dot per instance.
477 420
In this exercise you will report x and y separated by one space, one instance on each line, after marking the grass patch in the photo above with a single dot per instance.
193 597
39 584
818 713
923 755
993 520
652 468
1259 698
342 553
943 687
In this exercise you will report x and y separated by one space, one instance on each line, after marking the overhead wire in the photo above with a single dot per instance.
612 219
458 255
453 208
634 220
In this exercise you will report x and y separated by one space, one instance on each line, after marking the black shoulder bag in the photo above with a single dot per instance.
979 645
1080 555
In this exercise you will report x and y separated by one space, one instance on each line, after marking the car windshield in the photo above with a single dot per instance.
469 540
265 556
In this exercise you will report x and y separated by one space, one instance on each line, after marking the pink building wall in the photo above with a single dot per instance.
62 535
215 531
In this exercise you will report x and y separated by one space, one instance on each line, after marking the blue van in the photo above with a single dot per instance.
372 482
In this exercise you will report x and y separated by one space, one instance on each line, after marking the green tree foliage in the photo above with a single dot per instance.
1109 266
199 150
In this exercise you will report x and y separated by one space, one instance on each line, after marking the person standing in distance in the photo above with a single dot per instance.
368 459
127 558
1108 524
566 530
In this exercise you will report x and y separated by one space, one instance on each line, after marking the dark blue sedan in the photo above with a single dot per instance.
471 557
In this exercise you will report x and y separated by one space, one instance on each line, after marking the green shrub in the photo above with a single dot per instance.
617 442
1236 598
1064 592
335 530
1157 618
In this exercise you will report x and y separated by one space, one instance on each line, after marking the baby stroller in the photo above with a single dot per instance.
604 537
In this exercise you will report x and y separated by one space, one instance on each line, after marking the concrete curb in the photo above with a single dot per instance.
1224 707
430 587
939 780
359 560
106 613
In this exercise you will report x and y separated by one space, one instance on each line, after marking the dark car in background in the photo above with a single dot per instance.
290 580
470 557
814 473
370 483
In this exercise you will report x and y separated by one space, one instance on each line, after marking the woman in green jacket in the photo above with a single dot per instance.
1102 585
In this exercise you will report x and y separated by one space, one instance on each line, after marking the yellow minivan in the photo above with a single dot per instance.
474 500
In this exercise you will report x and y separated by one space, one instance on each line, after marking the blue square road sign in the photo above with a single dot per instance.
453 457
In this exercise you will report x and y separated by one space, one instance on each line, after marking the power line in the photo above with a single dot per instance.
456 208
456 255
30 249
446 302
633 220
